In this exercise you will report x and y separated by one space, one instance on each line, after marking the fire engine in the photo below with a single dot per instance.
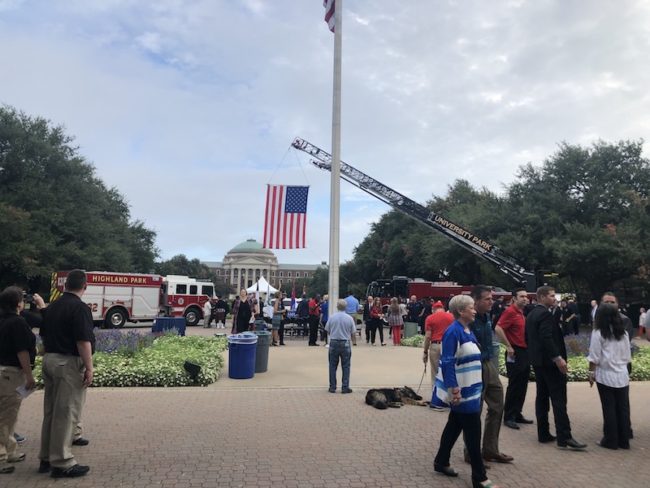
401 286
115 298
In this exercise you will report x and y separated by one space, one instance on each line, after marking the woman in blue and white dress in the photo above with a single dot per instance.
458 386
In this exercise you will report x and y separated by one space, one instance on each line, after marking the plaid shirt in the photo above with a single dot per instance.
394 318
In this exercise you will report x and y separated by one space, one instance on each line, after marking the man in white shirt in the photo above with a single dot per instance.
207 314
341 330
594 309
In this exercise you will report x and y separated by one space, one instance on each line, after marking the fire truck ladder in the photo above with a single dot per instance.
454 232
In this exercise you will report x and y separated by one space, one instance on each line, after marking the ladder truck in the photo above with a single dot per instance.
452 231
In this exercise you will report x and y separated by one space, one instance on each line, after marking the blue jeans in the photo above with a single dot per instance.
340 349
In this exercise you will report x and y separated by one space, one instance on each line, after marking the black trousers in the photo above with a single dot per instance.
616 416
518 376
376 325
302 325
551 385
281 332
470 425
368 328
313 328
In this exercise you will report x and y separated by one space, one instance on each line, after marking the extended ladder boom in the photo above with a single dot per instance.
450 230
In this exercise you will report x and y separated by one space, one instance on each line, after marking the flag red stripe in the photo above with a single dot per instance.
280 212
272 214
298 233
291 233
304 229
284 232
266 214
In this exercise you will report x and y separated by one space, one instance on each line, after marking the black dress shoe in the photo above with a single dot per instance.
546 439
332 390
73 472
446 470
523 420
512 424
346 390
572 444
80 442
44 467
602 444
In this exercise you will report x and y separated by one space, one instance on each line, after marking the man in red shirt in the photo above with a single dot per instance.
314 319
512 325
435 326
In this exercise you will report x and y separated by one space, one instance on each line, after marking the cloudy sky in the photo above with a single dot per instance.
189 107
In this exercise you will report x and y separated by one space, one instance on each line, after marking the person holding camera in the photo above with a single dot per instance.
17 355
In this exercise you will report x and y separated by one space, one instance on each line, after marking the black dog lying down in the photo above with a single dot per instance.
382 398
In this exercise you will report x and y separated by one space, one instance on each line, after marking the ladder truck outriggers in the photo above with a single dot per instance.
452 231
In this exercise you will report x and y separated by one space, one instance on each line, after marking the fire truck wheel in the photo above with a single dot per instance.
115 319
192 316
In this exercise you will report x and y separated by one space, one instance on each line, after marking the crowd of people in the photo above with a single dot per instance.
458 348
534 339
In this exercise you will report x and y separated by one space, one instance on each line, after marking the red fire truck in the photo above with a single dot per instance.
401 286
115 298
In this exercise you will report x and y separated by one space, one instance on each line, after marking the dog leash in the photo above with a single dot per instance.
422 379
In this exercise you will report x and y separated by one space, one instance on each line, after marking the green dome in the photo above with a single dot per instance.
250 245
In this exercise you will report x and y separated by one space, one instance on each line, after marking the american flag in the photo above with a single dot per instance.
329 13
285 220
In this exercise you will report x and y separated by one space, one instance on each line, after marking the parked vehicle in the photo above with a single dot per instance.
117 298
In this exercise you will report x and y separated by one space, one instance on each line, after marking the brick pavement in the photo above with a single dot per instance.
301 436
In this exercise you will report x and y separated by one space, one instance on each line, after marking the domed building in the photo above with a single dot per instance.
245 263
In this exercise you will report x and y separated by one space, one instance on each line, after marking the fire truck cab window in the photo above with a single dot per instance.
181 289
207 290
193 289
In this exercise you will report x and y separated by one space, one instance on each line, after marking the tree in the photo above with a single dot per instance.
58 213
181 265
319 282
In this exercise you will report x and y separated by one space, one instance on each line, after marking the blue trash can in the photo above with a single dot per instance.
242 349
161 324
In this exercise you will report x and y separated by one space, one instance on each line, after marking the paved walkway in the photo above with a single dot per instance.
283 428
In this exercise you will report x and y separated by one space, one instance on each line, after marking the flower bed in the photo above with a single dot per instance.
579 366
135 359
577 349
414 341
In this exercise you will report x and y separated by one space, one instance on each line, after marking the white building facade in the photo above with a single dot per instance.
245 263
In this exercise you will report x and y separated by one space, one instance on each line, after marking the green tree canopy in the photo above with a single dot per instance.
56 213
181 265
583 214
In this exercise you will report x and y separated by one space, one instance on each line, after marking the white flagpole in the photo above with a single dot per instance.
335 195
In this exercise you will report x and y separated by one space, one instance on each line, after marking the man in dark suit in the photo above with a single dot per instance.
548 357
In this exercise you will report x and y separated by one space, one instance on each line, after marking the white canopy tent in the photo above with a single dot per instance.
261 286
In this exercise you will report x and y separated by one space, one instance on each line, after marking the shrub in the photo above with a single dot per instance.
414 341
579 366
159 364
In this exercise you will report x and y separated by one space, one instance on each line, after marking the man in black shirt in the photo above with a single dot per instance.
69 342
17 354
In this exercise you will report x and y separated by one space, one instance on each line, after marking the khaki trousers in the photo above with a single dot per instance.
493 398
10 379
62 404
434 360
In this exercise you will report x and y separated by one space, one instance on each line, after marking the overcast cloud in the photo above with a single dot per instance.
189 107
